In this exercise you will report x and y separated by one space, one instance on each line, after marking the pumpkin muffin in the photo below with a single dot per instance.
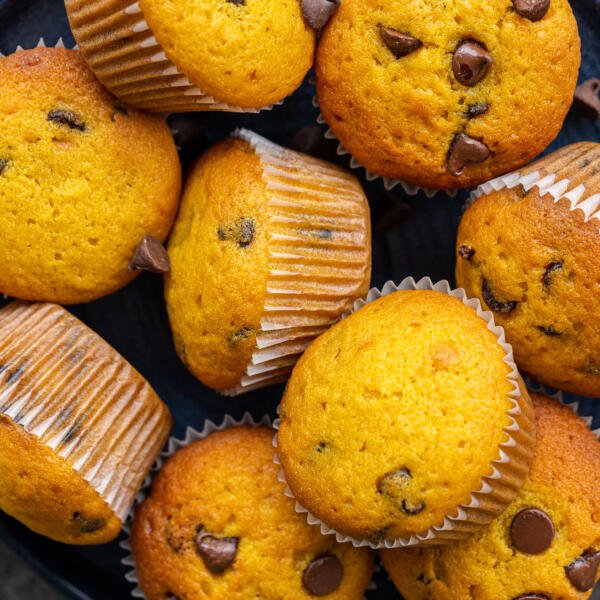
529 248
407 422
79 427
270 247
195 55
545 546
218 525
439 94
82 180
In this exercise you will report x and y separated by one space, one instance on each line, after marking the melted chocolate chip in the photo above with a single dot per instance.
532 597
532 531
474 110
150 255
318 12
471 63
582 571
495 304
398 43
240 231
239 335
4 162
534 10
466 252
68 118
323 575
88 525
587 99
547 277
218 554
465 151
549 331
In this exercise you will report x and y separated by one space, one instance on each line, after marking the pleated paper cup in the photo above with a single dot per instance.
119 46
319 256
506 473
66 386
174 445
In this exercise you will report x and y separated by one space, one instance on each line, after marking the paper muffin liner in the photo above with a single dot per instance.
319 256
388 183
173 446
41 44
67 387
119 46
568 173
507 472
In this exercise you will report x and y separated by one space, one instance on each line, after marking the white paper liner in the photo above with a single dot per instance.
458 525
98 413
388 183
42 44
174 445
142 82
307 196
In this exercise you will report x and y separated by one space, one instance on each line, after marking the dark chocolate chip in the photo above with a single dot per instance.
532 597
587 99
322 446
465 151
547 277
532 531
493 303
318 12
471 63
239 2
534 10
68 118
549 331
583 570
218 554
239 335
412 509
466 252
395 485
323 575
4 162
240 231
398 43
150 255
480 108
88 525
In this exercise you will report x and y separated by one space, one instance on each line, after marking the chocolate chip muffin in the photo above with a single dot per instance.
529 248
189 55
404 424
270 247
545 546
440 94
83 179
217 524
79 427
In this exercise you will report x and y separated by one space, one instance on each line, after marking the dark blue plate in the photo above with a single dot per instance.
412 236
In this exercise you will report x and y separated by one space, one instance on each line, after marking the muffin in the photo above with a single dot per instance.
79 427
406 423
82 180
270 247
545 546
217 524
529 248
240 55
440 94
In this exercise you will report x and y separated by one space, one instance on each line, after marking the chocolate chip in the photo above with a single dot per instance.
465 151
88 525
534 10
532 531
466 252
412 509
150 255
217 553
318 12
587 99
322 446
493 303
68 118
532 597
323 575
396 486
239 2
239 335
549 331
582 571
547 277
471 63
240 231
4 162
474 110
421 578
398 43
